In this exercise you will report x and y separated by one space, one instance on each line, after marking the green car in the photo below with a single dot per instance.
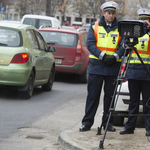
25 59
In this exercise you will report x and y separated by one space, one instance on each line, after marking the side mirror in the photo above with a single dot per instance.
52 49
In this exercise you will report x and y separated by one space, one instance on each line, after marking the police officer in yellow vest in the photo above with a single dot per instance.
139 80
105 48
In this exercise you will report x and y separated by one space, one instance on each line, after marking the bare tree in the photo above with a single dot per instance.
29 6
52 6
94 6
80 7
144 3
63 8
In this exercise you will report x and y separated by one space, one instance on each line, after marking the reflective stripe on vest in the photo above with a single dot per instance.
106 42
143 48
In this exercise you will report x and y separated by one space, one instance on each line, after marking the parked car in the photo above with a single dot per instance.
122 107
77 24
39 20
71 55
86 26
25 59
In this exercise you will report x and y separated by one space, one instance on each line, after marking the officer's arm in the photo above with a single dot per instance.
91 44
121 48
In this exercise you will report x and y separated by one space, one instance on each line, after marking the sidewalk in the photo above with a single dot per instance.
75 140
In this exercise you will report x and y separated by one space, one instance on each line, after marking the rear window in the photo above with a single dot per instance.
11 38
60 39
86 27
37 22
77 24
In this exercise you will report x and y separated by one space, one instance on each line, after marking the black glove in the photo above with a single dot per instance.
110 59
104 57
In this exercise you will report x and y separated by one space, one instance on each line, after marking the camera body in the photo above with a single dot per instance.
132 28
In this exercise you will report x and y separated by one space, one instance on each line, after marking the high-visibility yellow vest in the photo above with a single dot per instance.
106 42
143 48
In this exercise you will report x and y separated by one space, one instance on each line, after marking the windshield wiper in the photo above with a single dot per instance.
3 44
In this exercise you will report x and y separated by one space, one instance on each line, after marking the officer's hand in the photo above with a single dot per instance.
110 59
104 57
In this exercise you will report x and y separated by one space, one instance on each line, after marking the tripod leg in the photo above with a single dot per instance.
120 79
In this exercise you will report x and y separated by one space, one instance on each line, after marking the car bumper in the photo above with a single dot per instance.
14 76
76 68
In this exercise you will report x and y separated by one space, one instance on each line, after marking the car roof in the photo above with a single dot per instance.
68 30
77 22
15 25
39 17
86 24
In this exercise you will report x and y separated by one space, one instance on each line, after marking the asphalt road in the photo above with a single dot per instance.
57 110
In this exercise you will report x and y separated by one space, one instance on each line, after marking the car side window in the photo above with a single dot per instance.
32 39
40 40
85 36
83 40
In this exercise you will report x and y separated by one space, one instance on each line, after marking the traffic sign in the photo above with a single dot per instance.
2 8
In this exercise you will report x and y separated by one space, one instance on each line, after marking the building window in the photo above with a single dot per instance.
78 19
88 20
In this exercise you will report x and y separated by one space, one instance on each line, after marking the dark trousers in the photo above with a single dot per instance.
95 83
136 87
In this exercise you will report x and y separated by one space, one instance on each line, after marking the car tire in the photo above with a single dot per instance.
84 77
118 120
30 86
49 84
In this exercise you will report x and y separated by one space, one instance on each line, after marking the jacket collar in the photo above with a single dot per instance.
114 24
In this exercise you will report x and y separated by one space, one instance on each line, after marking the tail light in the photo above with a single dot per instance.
20 58
79 47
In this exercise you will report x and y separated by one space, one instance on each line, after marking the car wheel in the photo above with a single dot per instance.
49 84
118 120
28 93
84 77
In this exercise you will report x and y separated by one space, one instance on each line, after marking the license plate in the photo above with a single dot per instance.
58 61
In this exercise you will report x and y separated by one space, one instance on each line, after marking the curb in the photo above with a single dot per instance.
65 141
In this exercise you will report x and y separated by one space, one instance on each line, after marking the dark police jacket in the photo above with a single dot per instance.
98 66
138 72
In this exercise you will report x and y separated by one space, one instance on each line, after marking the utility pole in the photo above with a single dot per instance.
90 10
1 12
39 7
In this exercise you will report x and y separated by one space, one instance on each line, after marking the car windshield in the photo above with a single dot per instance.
10 38
60 38
37 22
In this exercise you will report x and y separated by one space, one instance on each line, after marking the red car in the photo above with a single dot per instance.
77 24
71 55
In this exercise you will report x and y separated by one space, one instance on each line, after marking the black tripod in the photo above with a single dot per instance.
131 42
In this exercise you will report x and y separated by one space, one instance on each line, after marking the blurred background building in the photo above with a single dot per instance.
85 11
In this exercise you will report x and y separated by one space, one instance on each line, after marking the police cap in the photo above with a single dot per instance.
143 13
109 6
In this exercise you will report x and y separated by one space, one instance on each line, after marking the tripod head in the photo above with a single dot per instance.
131 42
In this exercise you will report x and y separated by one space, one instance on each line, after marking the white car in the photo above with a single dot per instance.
39 20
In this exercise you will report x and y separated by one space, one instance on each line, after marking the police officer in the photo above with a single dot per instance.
139 80
104 62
